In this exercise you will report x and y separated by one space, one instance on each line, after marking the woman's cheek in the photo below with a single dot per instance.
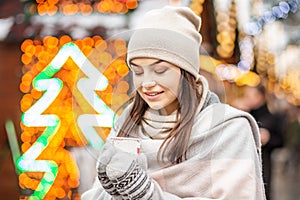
171 82
137 82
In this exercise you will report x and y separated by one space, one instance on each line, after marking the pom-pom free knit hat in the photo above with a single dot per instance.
170 34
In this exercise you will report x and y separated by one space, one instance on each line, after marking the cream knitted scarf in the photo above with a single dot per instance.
157 126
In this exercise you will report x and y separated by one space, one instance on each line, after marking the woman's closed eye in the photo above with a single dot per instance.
157 71
138 73
160 71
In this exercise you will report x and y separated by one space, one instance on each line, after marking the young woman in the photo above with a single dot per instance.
192 146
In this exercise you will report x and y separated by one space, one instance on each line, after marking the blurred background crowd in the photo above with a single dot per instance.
250 55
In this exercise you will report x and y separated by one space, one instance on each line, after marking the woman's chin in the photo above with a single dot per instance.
155 107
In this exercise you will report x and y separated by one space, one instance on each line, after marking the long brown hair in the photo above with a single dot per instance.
178 139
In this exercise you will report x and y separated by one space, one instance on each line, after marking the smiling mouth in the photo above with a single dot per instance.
152 94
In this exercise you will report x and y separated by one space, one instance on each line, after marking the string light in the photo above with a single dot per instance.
226 26
247 54
197 6
281 11
65 7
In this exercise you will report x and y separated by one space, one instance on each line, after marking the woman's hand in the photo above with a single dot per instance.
106 154
123 174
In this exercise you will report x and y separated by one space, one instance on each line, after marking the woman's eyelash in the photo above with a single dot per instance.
158 71
138 73
161 71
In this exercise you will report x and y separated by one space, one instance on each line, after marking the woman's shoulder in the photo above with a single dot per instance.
216 115
219 114
220 111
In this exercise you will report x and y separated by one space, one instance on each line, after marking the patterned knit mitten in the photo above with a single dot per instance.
129 178
105 156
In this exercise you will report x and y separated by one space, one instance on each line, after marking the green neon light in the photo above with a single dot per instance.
13 141
33 117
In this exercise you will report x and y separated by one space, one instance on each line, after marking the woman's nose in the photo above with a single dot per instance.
148 84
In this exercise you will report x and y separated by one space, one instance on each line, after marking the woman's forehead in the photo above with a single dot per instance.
148 62
145 61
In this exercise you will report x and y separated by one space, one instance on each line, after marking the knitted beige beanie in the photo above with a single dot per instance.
170 34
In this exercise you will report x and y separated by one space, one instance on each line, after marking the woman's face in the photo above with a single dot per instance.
157 82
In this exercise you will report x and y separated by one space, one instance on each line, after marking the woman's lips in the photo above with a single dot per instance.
152 95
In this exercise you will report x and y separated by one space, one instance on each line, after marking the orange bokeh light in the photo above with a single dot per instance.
36 56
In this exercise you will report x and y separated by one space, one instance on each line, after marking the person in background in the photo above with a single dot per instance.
192 146
292 141
271 127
